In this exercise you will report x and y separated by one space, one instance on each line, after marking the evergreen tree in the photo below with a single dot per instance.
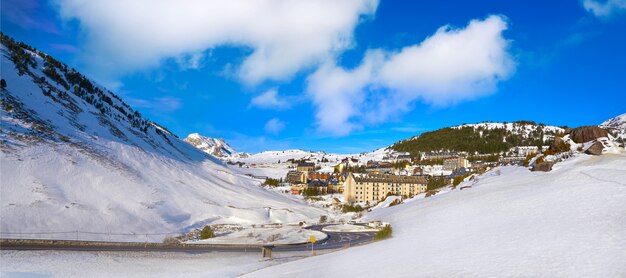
207 232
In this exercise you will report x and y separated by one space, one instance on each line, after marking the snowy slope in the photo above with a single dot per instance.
511 223
74 157
272 157
616 125
618 122
213 146
275 164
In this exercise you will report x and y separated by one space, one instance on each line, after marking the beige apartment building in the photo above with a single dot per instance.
368 188
455 163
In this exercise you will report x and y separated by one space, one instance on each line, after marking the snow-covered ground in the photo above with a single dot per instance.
135 264
275 171
255 236
348 228
512 222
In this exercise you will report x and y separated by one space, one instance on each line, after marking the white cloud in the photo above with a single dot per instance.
274 126
284 36
190 60
338 94
270 100
604 9
450 66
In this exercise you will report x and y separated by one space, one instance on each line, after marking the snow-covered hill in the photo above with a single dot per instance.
510 223
618 122
273 157
481 138
75 157
523 128
617 126
213 146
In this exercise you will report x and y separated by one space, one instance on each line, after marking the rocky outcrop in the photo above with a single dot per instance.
543 166
595 149
587 133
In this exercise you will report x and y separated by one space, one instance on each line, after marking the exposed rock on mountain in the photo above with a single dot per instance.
587 133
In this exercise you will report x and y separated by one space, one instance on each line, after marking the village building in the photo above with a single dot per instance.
297 188
379 170
321 186
512 160
368 188
418 171
296 177
439 155
319 176
455 163
306 167
397 157
339 167
324 182
524 151
335 186
460 172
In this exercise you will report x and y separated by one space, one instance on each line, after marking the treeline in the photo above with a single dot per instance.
470 139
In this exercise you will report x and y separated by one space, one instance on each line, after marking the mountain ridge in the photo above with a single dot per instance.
75 157
213 146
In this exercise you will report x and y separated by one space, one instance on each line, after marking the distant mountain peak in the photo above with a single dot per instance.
617 127
214 146
618 122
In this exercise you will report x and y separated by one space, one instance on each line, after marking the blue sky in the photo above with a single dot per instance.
339 76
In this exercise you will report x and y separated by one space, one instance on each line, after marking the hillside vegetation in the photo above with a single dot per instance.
481 138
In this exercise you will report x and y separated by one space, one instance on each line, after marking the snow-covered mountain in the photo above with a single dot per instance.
617 126
618 122
75 157
214 146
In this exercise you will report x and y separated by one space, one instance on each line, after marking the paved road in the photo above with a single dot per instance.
333 241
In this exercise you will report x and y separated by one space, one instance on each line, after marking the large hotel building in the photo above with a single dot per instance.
367 188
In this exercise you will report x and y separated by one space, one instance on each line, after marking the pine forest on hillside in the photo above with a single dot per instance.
476 139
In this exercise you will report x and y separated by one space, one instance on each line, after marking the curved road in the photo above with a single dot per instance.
333 241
